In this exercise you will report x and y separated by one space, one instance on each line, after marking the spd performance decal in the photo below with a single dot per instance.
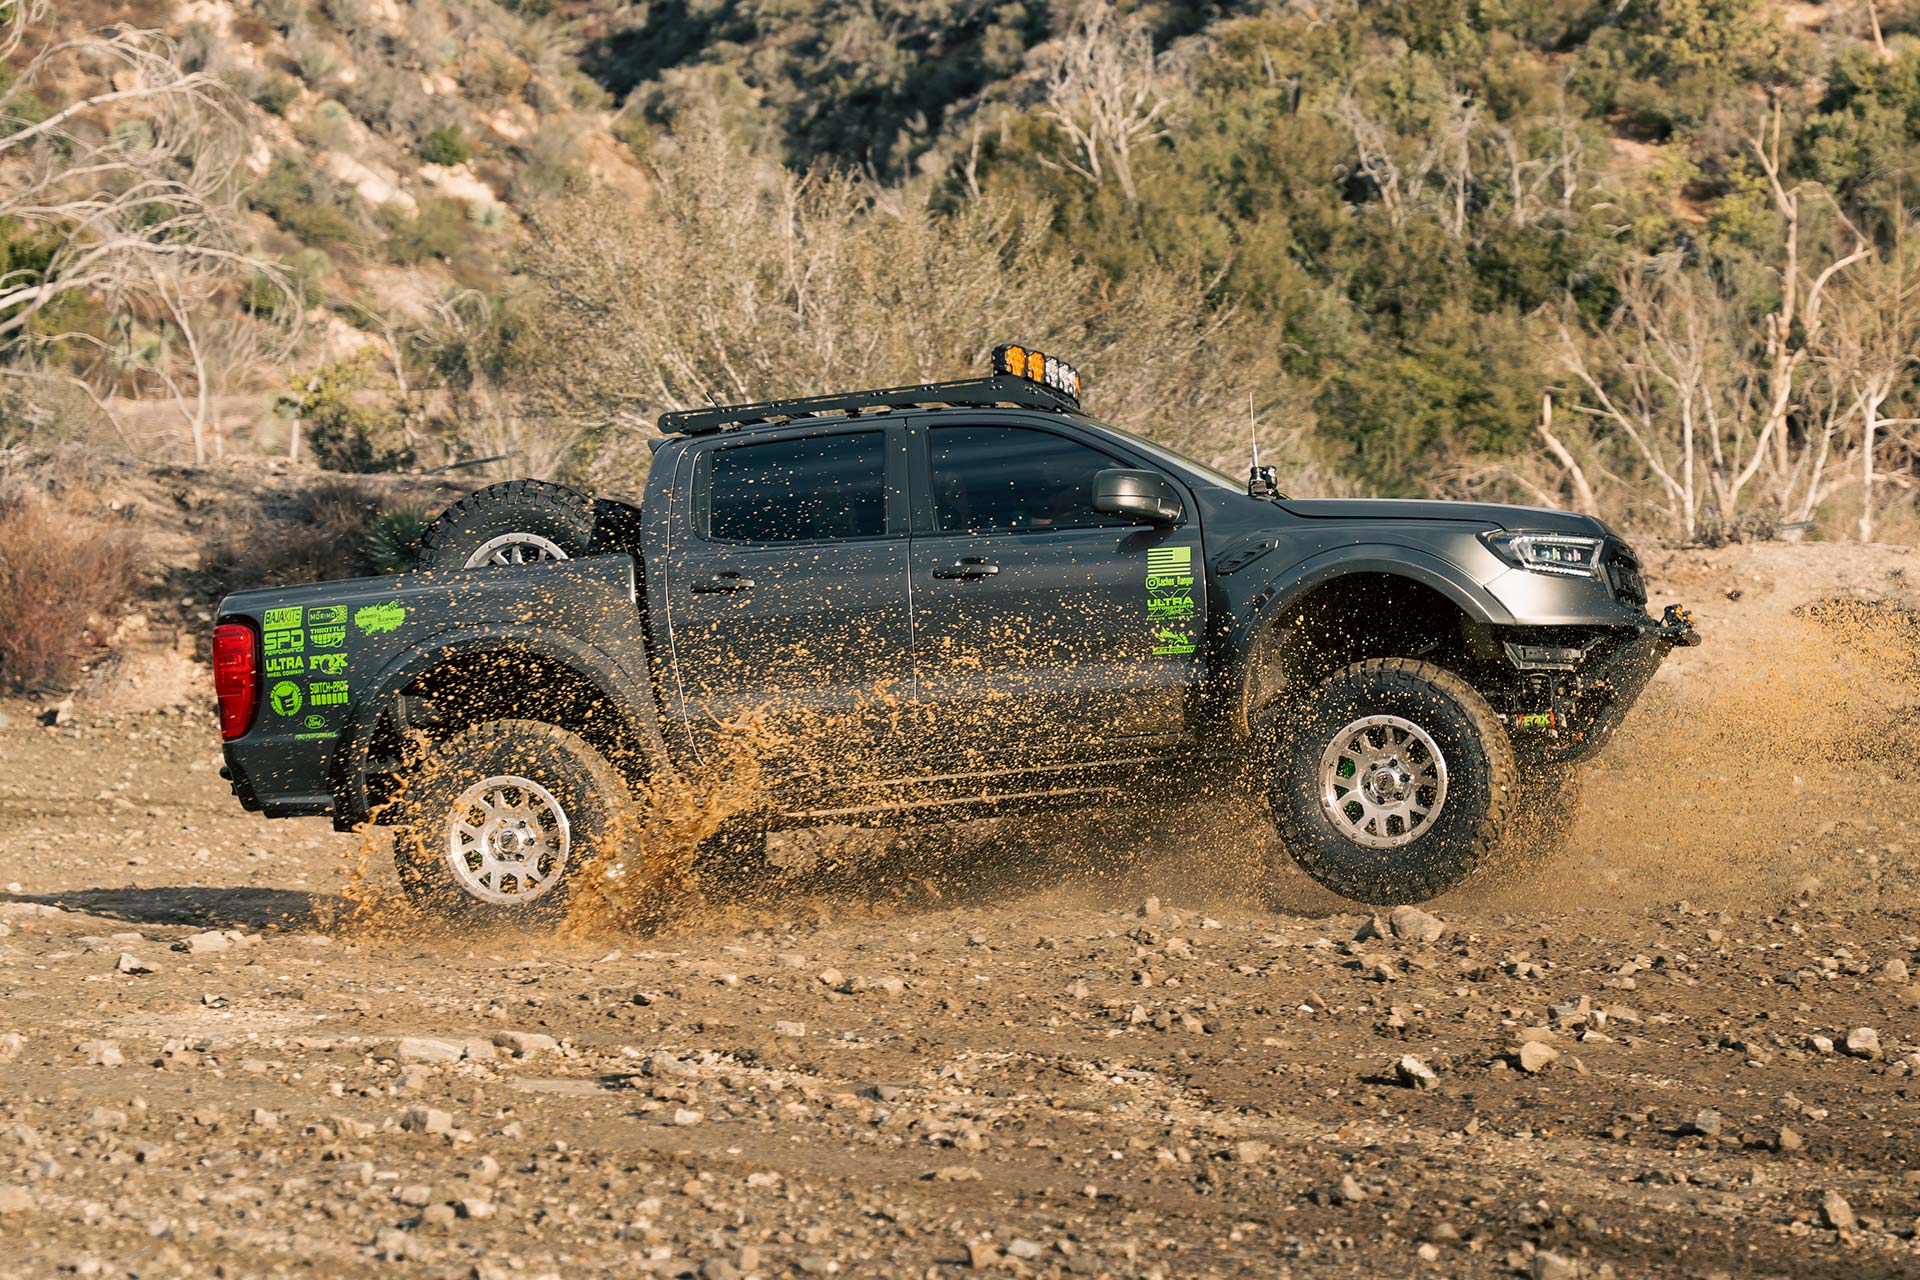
1170 605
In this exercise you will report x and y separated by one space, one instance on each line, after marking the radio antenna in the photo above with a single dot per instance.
1262 482
1253 431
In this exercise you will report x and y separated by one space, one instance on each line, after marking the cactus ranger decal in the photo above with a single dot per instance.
1170 600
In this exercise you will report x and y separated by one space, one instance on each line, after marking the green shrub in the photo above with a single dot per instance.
393 543
306 203
275 93
438 230
444 146
304 273
346 423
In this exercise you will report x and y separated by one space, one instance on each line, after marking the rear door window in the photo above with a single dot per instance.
814 489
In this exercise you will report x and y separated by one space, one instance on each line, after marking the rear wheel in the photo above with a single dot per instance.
496 821
518 522
1391 783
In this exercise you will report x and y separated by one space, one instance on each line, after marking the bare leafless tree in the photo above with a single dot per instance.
1105 94
1726 419
140 215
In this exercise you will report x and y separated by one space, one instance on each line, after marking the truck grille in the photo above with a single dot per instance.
1623 574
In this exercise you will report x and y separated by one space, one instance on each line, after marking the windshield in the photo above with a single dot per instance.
1197 472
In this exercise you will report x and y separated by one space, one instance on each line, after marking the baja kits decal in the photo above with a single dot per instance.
1170 605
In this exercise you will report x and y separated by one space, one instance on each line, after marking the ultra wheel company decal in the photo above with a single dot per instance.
1170 603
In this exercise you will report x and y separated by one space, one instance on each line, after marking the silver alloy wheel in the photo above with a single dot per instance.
1382 781
516 548
507 840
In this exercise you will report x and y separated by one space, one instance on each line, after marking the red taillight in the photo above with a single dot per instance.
236 676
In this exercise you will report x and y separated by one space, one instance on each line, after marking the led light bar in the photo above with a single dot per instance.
1037 366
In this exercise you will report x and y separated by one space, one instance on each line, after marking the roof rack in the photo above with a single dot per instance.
996 390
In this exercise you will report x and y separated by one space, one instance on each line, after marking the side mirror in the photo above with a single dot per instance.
1143 495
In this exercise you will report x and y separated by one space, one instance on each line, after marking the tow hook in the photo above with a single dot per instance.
1676 627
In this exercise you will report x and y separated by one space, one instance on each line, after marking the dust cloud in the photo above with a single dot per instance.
1758 768
1751 768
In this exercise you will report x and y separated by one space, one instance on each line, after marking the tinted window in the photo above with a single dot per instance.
810 490
993 478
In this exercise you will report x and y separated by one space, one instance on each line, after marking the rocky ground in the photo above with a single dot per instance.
1685 1045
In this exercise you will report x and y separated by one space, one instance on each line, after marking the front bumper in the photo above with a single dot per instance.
1568 703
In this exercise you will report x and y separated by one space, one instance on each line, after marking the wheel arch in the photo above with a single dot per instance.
561 680
1352 604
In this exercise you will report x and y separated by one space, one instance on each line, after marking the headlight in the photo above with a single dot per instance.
1561 553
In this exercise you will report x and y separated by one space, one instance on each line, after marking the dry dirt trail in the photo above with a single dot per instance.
1684 1046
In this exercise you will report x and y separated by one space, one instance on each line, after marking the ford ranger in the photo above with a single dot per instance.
940 602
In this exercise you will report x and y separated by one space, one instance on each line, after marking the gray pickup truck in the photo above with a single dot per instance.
940 602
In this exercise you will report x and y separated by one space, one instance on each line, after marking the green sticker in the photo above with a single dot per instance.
328 664
328 637
281 642
285 698
331 615
1170 602
287 619
376 618
328 693
1167 641
315 721
286 666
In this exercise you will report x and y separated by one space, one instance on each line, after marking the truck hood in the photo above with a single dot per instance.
1381 510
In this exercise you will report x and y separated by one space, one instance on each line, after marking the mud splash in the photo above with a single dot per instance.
649 866
1760 772
1750 770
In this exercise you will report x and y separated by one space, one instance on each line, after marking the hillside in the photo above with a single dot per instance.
518 230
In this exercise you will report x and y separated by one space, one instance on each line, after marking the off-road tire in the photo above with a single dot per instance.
550 515
589 792
1470 821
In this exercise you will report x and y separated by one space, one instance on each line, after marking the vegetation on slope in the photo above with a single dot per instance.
1650 257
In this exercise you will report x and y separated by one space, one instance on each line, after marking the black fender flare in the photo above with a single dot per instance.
628 693
1270 604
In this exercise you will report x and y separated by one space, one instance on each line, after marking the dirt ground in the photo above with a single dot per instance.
1684 1045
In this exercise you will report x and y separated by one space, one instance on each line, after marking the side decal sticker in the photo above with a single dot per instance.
1170 604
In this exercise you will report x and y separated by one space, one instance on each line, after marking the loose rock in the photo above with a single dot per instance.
1535 1056
426 1120
1411 924
1863 1042
1415 1074
427 1049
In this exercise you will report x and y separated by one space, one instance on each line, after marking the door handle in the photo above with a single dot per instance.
968 567
721 582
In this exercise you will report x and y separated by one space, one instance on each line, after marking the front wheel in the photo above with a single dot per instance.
1390 784
497 821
